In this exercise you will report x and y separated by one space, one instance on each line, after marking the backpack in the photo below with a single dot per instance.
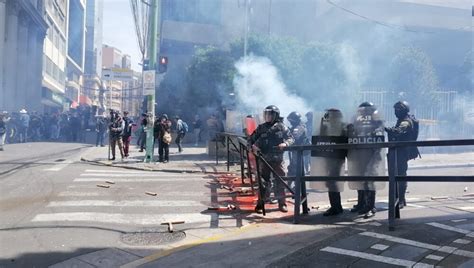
184 127
412 151
167 138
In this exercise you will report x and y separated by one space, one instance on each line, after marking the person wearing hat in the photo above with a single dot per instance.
4 118
24 125
162 134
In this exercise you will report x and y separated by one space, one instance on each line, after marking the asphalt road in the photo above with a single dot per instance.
52 209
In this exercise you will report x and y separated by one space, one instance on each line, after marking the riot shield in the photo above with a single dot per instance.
367 127
329 129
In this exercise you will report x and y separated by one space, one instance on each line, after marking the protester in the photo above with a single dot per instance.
162 134
181 130
116 132
127 133
197 124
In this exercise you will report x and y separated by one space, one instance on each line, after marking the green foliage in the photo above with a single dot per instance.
209 77
324 74
412 71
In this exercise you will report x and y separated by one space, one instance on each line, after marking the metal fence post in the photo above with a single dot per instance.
303 187
298 187
217 151
397 194
228 153
241 153
391 190
261 194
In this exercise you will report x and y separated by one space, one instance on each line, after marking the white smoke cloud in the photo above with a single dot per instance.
258 84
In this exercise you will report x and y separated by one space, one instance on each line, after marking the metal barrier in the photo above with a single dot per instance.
245 164
300 194
392 178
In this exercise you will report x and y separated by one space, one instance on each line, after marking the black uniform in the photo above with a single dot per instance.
404 130
299 134
266 137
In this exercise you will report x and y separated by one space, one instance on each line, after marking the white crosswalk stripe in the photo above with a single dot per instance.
119 218
125 202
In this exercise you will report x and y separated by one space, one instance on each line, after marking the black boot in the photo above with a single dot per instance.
360 201
259 207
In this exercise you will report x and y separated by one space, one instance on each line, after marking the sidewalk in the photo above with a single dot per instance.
196 159
191 160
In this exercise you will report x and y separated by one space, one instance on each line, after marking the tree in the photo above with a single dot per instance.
412 71
209 77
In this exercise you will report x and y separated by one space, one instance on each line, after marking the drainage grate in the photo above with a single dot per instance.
152 238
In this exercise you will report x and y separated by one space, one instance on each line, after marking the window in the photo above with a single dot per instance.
198 11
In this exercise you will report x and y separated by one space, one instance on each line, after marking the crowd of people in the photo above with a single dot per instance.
24 126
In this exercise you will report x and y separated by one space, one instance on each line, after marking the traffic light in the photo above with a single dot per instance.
146 65
162 64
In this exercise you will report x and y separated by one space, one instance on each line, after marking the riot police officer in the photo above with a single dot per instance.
406 129
367 127
328 162
299 132
273 133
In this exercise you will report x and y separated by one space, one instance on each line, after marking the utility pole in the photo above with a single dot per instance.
246 25
152 53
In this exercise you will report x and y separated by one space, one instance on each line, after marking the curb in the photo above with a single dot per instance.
224 172
99 162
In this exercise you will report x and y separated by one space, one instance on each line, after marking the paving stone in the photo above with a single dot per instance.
108 257
379 247
457 261
462 241
367 263
434 257
72 263
405 252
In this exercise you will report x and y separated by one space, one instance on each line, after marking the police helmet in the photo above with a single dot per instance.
294 118
366 104
273 111
402 105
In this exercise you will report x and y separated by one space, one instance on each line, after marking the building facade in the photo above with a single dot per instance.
76 52
93 88
55 56
21 54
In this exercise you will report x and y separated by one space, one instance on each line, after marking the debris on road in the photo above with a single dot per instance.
439 197
170 224
103 185
110 182
151 193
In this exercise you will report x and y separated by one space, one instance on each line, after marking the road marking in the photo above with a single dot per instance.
462 241
59 166
123 203
374 257
464 253
449 228
415 206
379 247
434 257
445 249
113 218
401 240
87 193
120 171
137 179
460 220
137 175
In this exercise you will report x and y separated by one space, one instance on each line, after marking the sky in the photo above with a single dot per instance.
119 29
